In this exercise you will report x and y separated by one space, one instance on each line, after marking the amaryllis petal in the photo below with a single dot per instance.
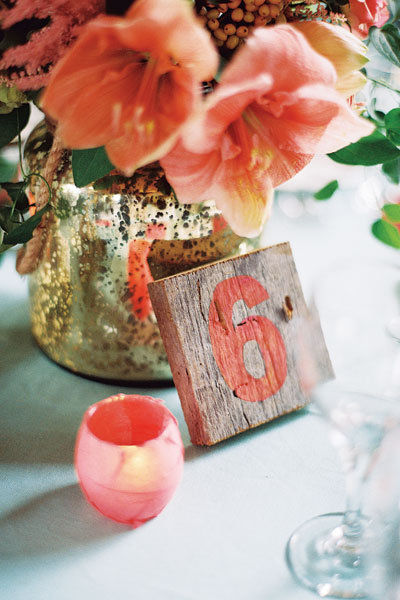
243 195
346 127
275 107
343 49
82 126
286 164
186 41
88 74
155 139
284 55
130 84
191 174
245 202
224 106
318 120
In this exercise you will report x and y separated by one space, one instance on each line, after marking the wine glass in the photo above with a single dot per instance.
383 503
358 306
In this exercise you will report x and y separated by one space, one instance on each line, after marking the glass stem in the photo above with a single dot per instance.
352 521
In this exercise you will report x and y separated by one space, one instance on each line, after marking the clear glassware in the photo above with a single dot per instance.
358 305
383 505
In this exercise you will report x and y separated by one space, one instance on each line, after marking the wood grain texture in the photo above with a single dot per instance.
251 350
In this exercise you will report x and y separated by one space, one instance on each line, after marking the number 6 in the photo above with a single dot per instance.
228 341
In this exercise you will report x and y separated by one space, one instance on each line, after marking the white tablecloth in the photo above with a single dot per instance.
223 535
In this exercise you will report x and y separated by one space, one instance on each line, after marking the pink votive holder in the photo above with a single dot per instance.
129 457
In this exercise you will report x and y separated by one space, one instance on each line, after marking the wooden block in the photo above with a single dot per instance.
229 332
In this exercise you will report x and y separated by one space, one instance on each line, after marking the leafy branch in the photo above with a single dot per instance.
14 228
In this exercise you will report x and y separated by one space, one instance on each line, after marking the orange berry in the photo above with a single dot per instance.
274 1
234 3
258 2
213 24
264 11
223 7
242 31
230 29
260 21
248 17
213 13
220 34
237 15
219 43
251 7
274 11
232 42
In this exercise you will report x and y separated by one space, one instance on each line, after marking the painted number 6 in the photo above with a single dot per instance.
228 341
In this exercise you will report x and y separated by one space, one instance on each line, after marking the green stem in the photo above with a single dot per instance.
384 84
14 204
20 147
30 175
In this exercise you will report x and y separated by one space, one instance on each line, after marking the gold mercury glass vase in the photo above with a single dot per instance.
89 305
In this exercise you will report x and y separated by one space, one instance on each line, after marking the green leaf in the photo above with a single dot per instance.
386 233
392 124
9 123
34 96
387 41
23 232
89 165
327 191
16 191
394 7
8 220
392 170
7 169
371 150
392 211
107 182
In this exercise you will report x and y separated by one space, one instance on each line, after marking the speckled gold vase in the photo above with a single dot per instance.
88 298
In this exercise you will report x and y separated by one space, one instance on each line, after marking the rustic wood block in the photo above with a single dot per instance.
229 331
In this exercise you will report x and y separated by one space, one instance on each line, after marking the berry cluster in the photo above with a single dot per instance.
230 23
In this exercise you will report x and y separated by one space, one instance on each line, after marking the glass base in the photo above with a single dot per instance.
322 558
136 382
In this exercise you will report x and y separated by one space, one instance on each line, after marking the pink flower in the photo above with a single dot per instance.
276 106
28 65
5 199
365 13
131 83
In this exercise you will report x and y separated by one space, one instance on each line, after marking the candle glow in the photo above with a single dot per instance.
129 457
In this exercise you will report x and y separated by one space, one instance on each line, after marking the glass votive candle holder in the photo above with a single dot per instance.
129 457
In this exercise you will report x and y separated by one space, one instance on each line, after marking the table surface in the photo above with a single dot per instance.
223 535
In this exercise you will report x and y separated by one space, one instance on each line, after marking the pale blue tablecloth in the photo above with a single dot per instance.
223 535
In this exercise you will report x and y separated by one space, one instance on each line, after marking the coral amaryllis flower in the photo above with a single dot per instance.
365 13
275 107
131 83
